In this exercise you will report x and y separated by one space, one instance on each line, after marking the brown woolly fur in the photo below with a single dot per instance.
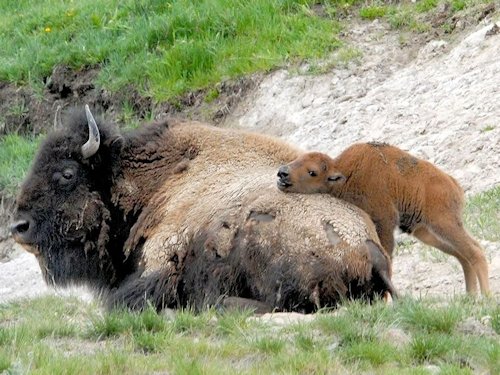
183 214
395 189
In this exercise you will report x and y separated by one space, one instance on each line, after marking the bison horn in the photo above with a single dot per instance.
92 145
57 118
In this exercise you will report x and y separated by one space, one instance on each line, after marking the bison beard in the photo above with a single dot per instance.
62 252
166 216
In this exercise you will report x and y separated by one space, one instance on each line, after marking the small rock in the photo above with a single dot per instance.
472 326
432 49
396 336
433 369
460 25
486 320
333 346
283 319
493 31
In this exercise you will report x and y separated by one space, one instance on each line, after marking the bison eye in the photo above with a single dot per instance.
67 174
64 177
312 174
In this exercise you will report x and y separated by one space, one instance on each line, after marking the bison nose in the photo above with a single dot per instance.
21 230
283 172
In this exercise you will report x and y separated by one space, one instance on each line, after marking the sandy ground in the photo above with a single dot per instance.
439 101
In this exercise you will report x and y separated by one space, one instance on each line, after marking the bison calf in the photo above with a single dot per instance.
395 189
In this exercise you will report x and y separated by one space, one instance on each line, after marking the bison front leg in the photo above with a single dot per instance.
158 289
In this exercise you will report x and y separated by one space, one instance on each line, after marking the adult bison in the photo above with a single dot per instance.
184 214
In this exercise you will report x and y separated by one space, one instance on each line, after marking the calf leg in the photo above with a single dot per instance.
452 231
385 232
472 251
387 240
450 237
429 238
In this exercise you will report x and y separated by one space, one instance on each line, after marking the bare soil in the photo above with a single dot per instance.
26 111
435 97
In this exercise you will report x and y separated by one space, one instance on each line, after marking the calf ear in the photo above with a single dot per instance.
336 178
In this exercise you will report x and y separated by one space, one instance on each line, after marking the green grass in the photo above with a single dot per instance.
425 5
430 319
372 12
458 5
166 49
16 153
162 48
482 214
350 340
417 17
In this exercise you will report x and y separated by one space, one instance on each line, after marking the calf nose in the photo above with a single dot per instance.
283 172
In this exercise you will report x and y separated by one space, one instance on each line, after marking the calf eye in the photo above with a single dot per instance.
312 174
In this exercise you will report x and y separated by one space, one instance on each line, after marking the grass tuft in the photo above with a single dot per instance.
431 319
270 345
305 342
493 358
495 320
373 12
232 323
186 322
430 346
458 5
482 214
4 363
374 353
150 342
423 6
347 329
120 321
16 153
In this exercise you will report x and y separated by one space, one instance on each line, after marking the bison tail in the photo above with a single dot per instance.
381 270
